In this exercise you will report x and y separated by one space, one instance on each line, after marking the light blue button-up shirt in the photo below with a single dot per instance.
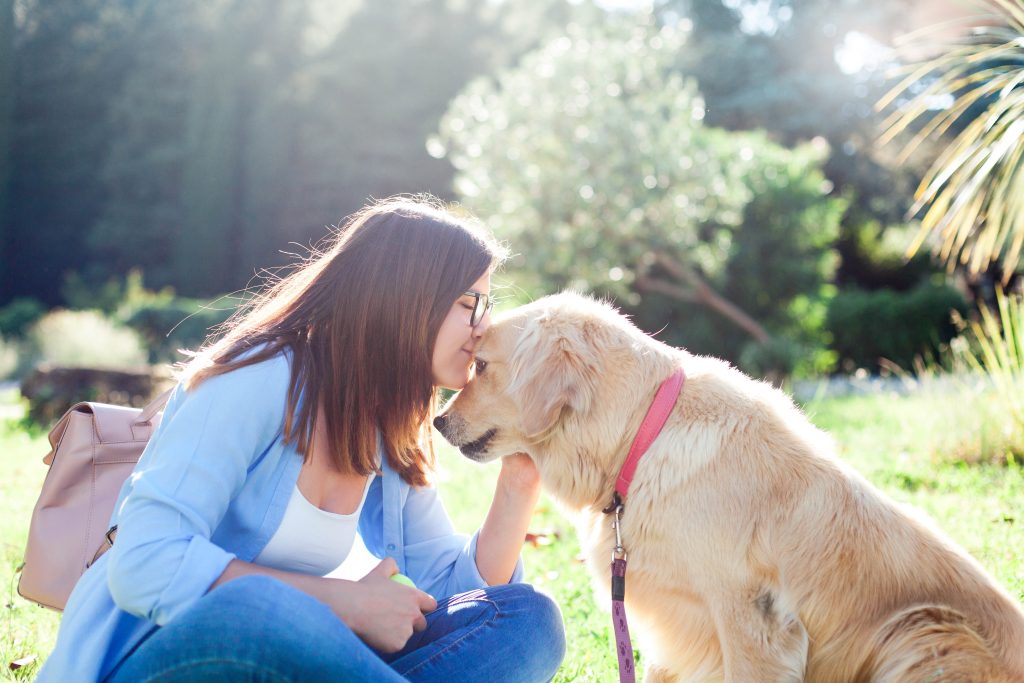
213 485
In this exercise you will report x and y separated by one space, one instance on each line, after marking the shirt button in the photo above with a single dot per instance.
391 546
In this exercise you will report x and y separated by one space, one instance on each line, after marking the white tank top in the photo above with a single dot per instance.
311 540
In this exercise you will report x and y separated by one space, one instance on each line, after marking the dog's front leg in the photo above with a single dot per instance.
761 640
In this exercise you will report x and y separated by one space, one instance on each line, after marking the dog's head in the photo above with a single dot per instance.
546 373
532 365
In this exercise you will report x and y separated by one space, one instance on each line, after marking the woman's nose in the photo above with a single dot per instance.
482 326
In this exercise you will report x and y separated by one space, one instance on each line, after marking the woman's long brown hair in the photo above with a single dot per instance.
360 318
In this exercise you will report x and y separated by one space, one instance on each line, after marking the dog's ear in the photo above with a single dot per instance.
554 368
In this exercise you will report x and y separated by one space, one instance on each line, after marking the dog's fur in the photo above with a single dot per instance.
754 553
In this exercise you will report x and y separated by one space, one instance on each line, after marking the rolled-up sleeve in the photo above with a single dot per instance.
196 463
440 561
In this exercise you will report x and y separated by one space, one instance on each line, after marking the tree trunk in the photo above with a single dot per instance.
700 292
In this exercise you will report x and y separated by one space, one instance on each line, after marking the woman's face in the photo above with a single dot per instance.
456 340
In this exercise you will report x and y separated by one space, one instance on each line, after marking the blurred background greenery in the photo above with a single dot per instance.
710 165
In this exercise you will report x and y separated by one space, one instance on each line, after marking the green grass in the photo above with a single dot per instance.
916 449
25 629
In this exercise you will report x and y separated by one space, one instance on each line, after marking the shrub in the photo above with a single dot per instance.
897 326
963 418
167 325
85 294
165 322
8 358
994 345
774 360
85 339
17 316
51 390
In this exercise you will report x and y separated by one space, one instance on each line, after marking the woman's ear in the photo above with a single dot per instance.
553 370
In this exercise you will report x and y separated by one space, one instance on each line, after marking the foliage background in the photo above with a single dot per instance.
194 142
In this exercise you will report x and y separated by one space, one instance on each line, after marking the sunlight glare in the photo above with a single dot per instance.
860 52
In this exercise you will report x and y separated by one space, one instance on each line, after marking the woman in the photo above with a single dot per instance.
308 418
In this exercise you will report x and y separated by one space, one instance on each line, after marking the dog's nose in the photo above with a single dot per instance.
440 422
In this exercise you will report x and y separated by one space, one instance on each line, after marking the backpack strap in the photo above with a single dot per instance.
154 407
145 418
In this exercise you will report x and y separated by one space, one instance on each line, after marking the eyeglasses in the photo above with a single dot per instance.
482 305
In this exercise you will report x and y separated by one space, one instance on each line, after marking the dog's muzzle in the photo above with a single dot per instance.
441 424
453 429
478 446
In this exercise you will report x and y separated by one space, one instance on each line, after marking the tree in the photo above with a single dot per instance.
141 172
379 89
975 207
245 125
592 159
238 136
775 65
68 62
199 172
6 121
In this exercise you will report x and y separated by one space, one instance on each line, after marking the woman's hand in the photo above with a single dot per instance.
503 532
382 612
519 473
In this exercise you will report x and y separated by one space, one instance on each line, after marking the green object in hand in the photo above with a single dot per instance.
403 579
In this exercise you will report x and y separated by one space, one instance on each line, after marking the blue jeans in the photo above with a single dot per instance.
255 628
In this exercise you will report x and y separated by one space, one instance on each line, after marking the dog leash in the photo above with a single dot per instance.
652 424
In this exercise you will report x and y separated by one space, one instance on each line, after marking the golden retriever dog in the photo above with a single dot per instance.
754 553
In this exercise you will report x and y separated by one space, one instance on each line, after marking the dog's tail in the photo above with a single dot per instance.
932 644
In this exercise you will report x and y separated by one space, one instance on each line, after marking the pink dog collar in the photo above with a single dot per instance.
653 422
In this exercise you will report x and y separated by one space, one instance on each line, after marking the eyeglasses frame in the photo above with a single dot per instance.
479 311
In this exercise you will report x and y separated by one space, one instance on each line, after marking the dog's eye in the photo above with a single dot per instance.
481 365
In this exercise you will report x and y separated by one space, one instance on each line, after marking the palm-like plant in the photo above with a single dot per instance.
974 190
1000 337
994 345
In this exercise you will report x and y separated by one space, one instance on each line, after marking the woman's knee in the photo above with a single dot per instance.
545 611
536 605
550 629
543 634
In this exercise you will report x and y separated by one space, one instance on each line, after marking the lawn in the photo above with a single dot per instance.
911 447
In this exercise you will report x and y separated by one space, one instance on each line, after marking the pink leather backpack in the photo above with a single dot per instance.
94 447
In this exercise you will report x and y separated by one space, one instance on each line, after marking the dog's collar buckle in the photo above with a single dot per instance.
618 552
615 506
